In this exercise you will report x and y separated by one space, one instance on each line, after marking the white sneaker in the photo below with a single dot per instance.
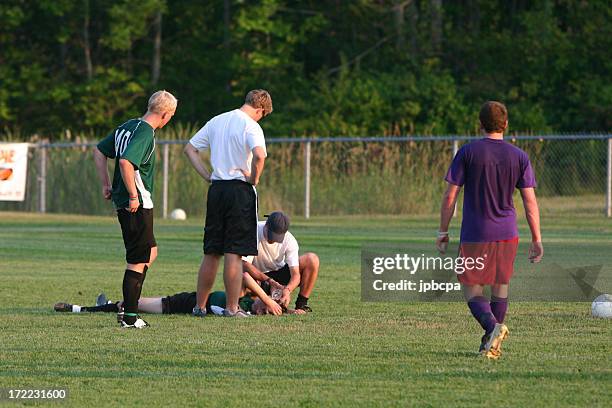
239 313
138 324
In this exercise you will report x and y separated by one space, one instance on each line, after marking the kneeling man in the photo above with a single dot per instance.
278 264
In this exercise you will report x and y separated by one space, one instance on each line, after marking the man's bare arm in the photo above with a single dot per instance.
532 213
294 282
254 272
102 170
249 283
447 209
196 161
127 174
258 275
257 165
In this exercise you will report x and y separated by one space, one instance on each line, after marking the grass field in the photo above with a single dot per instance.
347 353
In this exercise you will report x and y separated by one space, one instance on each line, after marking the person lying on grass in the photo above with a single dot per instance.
253 300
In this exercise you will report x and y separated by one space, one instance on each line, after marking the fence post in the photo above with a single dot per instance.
609 181
165 181
307 181
455 150
42 179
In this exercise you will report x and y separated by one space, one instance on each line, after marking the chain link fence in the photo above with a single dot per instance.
330 176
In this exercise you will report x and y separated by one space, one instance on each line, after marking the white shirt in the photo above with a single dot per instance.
272 257
231 137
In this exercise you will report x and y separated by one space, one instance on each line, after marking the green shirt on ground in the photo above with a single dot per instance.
218 299
135 142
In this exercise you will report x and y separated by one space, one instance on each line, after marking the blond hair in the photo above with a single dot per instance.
162 102
259 98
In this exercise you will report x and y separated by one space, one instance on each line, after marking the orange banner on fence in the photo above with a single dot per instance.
13 171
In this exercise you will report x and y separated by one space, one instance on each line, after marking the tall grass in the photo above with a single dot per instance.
346 178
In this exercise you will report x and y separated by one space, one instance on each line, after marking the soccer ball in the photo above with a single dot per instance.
178 214
602 306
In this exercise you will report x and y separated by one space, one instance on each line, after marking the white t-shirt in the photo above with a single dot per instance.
271 257
231 137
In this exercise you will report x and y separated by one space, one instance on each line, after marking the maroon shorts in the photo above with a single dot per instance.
487 263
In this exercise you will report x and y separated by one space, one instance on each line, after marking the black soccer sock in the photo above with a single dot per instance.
108 308
132 286
301 301
142 279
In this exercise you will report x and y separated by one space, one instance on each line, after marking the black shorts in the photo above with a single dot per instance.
137 231
181 303
231 218
184 302
282 276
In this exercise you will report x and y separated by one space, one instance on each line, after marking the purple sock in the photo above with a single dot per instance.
481 310
499 306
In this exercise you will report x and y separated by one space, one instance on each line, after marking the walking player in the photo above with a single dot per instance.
132 145
490 169
237 153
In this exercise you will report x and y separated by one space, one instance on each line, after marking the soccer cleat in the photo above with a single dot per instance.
197 312
62 307
492 348
239 313
138 324
102 300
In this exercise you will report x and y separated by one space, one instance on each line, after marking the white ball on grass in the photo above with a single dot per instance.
602 306
178 214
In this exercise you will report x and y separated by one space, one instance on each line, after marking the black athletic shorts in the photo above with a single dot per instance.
282 275
137 231
231 218
184 302
181 303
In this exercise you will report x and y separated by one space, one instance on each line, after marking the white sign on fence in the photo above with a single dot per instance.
13 171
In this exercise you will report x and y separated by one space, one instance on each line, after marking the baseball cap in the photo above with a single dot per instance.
278 224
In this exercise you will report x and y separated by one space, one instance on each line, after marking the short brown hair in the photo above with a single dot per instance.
259 98
493 116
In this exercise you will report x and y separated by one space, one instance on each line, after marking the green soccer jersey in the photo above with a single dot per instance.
218 299
135 142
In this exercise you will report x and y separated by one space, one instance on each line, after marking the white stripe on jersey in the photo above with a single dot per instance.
147 202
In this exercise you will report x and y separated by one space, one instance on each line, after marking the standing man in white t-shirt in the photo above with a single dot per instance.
237 153
279 264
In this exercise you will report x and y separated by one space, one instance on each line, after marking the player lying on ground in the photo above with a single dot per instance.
278 265
255 302
490 169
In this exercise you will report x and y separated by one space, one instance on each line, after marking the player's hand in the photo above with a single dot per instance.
275 285
107 192
134 204
286 298
536 252
442 243
247 175
274 308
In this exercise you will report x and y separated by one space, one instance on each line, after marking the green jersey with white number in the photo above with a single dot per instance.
135 142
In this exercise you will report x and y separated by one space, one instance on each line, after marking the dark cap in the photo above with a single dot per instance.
278 224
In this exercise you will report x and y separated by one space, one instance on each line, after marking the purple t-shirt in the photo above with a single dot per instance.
490 170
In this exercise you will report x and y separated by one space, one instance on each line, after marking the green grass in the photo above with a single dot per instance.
347 353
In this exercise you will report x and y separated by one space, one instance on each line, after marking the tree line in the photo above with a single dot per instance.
333 67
